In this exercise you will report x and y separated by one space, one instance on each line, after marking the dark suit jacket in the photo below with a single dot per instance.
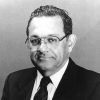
77 84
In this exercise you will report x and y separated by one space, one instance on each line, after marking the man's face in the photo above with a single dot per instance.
48 58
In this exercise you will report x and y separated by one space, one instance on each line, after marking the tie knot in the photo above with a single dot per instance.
45 81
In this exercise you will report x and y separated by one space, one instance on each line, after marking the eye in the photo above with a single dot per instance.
52 40
34 41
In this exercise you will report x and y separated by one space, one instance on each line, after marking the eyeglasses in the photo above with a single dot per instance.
50 40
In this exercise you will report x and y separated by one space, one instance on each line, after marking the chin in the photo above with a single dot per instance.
44 69
46 65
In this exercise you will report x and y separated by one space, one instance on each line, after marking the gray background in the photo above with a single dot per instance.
14 15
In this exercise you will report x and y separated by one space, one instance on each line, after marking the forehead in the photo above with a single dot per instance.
46 26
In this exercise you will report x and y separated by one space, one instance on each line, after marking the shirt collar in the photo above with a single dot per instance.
57 76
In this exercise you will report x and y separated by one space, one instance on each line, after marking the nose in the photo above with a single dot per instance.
43 46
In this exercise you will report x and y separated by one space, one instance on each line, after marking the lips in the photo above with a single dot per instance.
43 58
39 57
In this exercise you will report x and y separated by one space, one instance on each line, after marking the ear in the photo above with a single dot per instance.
71 42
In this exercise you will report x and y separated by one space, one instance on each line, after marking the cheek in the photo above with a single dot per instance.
58 52
65 52
62 51
32 54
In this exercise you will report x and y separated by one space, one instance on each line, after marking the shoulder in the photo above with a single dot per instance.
83 74
87 78
86 82
23 72
84 71
23 75
88 74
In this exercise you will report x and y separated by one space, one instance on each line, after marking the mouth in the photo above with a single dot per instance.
43 58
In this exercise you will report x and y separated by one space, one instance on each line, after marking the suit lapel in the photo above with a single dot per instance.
26 85
67 87
28 90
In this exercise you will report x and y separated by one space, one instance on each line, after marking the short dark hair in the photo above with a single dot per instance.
50 10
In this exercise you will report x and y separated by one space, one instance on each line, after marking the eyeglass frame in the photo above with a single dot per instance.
60 39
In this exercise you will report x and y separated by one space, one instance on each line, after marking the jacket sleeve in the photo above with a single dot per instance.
5 94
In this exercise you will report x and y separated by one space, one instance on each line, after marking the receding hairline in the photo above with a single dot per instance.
50 11
56 16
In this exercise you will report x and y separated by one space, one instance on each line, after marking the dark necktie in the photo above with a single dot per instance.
42 94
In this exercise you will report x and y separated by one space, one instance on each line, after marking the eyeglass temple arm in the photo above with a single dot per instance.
63 37
26 39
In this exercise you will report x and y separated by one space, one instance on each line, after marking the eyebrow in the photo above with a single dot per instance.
54 35
36 36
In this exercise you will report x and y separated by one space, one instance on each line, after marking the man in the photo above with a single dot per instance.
55 76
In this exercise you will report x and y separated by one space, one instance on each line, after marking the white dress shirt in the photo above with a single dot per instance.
51 88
